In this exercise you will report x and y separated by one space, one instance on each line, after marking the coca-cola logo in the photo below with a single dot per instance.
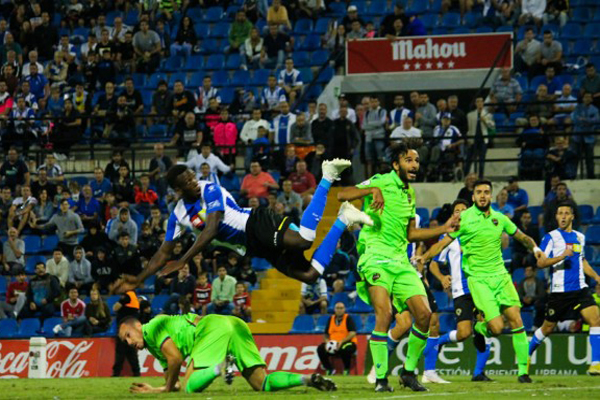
12 364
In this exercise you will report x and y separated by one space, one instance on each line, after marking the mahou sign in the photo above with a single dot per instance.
79 358
428 53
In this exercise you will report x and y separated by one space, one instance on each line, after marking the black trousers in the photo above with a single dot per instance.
122 351
345 353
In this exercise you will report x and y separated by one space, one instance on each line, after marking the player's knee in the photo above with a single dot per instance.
383 317
311 276
422 320
302 244
495 329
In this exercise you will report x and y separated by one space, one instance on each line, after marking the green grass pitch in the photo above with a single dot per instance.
505 387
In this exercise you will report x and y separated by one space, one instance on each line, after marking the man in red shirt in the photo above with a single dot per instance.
241 303
303 182
72 311
15 296
144 196
202 294
258 183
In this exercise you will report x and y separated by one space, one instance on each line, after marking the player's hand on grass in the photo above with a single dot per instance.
141 388
378 201
446 281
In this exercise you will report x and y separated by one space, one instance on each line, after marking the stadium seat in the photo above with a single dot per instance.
227 95
260 264
582 47
110 302
472 19
484 29
303 324
201 30
338 9
360 306
571 31
215 62
322 26
440 30
148 285
447 322
177 76
321 323
195 81
429 20
336 298
581 15
209 46
442 300
326 75
319 57
535 213
173 64
29 327
518 275
361 6
357 321
527 317
300 59
220 30
451 20
157 131
596 219
8 327
586 214
461 30
418 7
369 324
592 235
49 244
158 303
214 14
260 77
33 244
49 324
303 26
435 212
240 78
194 63
31 262
233 61
3 286
152 83
507 254
312 43
424 214
377 8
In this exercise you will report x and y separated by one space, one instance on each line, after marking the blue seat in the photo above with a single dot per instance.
201 30
306 75
338 9
435 212
484 29
518 275
194 63
418 7
8 327
209 46
3 286
195 13
240 78
536 81
592 235
361 6
214 14
461 30
303 26
31 262
586 214
148 285
195 81
158 303
472 18
260 264
49 324
110 302
112 330
596 219
232 10
451 20
360 307
505 28
322 26
157 130
152 83
233 61
369 324
319 57
322 323
33 244
177 76
139 80
314 92
49 244
336 298
173 64
326 75
300 59
220 30
215 62
571 31
220 78
377 8
527 317
507 254
260 77
442 300
311 43
582 47
591 31
303 324
429 20
447 322
535 213
357 321
227 95
29 327
439 30
424 214
581 14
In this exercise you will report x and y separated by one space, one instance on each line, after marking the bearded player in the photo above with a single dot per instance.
384 267
491 285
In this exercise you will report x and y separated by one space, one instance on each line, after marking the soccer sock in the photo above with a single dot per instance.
416 343
482 357
378 346
202 378
519 339
391 343
482 329
313 213
431 353
282 380
450 337
595 344
536 340
324 253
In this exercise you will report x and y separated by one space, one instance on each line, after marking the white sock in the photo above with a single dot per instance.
453 336
391 338
539 335
317 265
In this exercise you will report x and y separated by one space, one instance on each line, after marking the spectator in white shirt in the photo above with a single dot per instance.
250 133
564 106
196 160
532 11
282 124
335 114
290 80
33 59
407 130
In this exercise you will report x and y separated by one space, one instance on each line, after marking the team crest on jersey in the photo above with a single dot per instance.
551 312
409 198
376 277
495 222
458 312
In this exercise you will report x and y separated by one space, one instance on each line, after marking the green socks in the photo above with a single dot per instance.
379 352
201 379
521 346
482 329
282 380
416 344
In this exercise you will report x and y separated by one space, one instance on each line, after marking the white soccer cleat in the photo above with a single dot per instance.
352 215
57 329
332 169
432 377
372 377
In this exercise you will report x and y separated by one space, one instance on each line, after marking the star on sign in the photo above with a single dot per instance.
418 66
406 66
428 65
440 65
450 64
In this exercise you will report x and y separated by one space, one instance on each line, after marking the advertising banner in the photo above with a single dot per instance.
428 53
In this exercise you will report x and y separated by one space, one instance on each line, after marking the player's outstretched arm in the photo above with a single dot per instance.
421 234
530 245
434 250
174 362
445 280
353 193
589 271
546 262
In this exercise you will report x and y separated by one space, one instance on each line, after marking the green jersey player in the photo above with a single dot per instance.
207 342
491 285
384 267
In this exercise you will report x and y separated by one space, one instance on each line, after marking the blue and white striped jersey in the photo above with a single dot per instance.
291 78
452 254
567 275
232 228
272 98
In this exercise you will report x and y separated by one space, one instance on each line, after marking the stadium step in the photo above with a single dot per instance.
275 294
257 327
285 284
274 316
276 304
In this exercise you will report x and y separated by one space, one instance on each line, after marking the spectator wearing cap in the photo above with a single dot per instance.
290 80
591 83
147 47
387 25
532 11
351 16
278 15
585 119
275 44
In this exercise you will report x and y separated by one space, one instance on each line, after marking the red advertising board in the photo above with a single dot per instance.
428 53
77 358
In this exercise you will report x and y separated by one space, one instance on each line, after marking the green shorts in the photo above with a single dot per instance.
493 293
218 336
397 276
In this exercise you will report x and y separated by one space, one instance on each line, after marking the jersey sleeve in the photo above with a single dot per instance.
547 245
155 336
508 226
374 181
173 228
213 196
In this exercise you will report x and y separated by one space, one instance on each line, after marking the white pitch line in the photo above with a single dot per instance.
541 389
